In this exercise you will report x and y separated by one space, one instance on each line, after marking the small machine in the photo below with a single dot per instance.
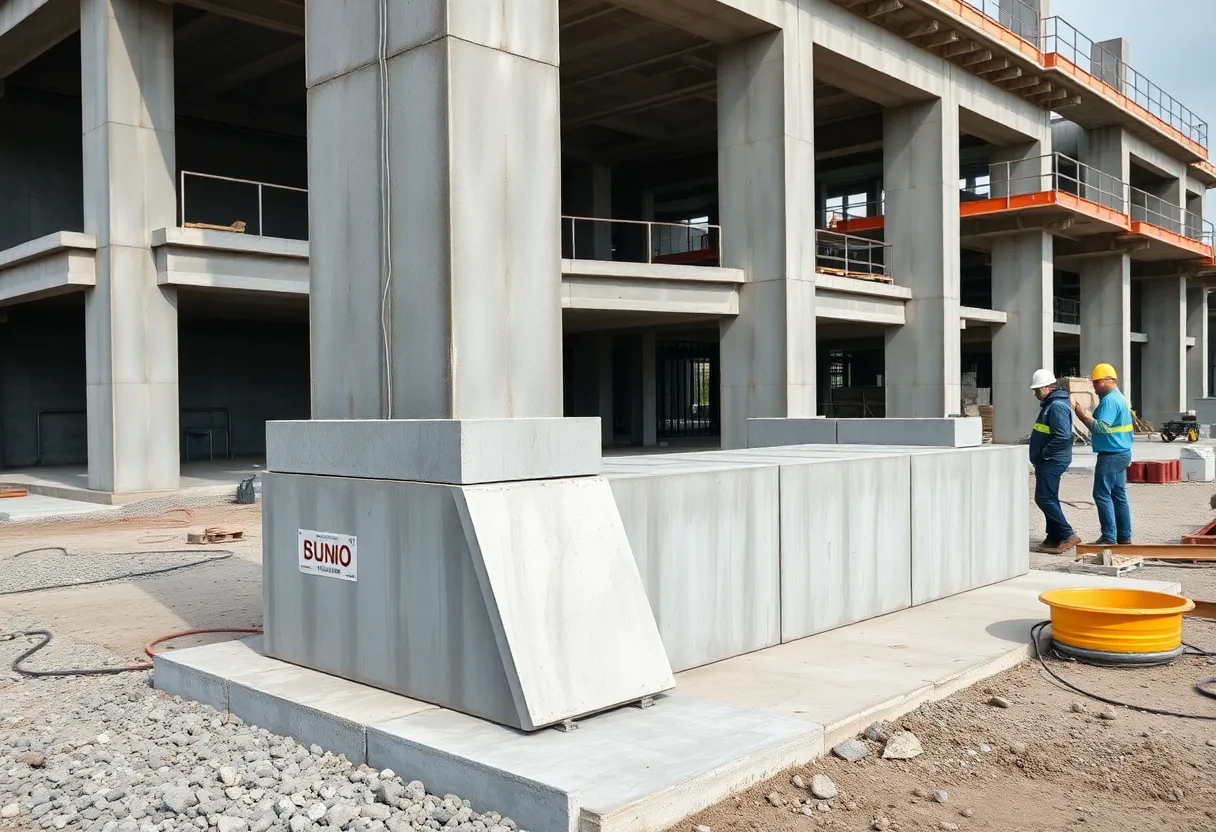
1187 426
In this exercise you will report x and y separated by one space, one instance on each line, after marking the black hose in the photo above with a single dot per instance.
1200 687
221 554
46 637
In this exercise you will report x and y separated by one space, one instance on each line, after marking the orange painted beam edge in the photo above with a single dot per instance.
859 224
1054 60
1156 232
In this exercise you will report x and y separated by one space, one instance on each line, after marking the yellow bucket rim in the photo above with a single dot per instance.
1062 598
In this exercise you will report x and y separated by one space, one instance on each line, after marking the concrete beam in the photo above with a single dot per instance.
28 28
235 77
52 265
281 15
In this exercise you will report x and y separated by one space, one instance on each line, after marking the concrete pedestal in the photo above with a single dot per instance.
1197 354
518 602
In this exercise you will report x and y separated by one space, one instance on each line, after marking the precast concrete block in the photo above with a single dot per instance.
707 546
768 433
963 432
942 506
518 603
845 547
452 451
1000 513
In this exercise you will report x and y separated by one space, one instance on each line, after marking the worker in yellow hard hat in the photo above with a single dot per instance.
1111 430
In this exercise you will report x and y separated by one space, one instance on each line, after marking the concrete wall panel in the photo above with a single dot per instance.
707 547
845 550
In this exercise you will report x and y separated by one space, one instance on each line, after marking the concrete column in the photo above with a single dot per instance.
1105 182
1106 329
605 371
127 120
921 164
587 193
1108 62
473 312
1163 392
766 174
650 391
1196 356
1022 272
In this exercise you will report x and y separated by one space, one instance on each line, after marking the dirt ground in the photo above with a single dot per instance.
1046 767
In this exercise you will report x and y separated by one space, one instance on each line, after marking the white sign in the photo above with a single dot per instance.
329 555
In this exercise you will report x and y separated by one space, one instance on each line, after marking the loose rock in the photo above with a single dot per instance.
968 812
941 796
851 750
229 776
921 793
880 824
877 732
798 781
11 810
1077 708
775 799
823 787
701 828
946 826
1107 713
902 746
33 759
999 702
1212 743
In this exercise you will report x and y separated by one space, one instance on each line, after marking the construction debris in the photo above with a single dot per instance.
237 227
12 492
1105 563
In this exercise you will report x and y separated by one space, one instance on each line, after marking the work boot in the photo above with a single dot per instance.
1048 546
1125 541
1054 548
1103 542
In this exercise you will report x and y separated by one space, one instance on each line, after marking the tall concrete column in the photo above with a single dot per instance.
127 120
766 174
1163 393
1196 356
920 163
473 305
587 194
1022 278
650 391
1106 329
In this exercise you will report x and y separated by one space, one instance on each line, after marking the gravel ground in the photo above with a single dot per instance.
112 754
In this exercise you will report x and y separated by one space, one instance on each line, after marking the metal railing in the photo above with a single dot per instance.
850 254
1017 16
833 218
228 203
1053 172
1066 311
1154 210
1062 38
640 241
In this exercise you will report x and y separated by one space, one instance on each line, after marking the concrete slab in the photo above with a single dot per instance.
574 629
450 451
625 770
767 433
39 507
949 433
629 769
284 699
885 667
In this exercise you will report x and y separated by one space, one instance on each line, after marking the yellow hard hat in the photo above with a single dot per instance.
1102 371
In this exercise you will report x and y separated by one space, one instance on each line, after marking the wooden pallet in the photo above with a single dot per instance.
237 227
1110 565
877 278
216 534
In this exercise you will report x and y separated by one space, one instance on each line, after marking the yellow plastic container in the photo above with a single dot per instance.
1117 620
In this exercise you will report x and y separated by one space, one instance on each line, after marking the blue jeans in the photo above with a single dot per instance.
1047 498
1110 496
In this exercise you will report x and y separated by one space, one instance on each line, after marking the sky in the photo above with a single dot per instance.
1171 44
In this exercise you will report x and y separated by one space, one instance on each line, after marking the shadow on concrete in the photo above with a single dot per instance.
1015 630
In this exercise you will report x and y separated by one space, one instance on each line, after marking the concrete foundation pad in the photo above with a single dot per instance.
40 507
965 432
768 433
882 668
450 451
627 769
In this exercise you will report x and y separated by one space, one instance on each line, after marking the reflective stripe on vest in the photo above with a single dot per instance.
1042 428
1121 429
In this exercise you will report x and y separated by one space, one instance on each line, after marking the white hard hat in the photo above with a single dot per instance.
1042 378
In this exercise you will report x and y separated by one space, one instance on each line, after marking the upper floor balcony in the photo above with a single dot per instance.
1050 63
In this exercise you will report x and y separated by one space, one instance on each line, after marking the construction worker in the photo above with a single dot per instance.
1050 454
1111 433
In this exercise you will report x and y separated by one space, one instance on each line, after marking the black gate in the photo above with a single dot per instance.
688 380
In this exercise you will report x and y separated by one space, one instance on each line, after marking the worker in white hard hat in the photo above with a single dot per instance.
1050 454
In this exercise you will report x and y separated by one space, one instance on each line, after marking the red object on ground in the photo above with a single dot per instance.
1159 471
1204 536
1135 472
